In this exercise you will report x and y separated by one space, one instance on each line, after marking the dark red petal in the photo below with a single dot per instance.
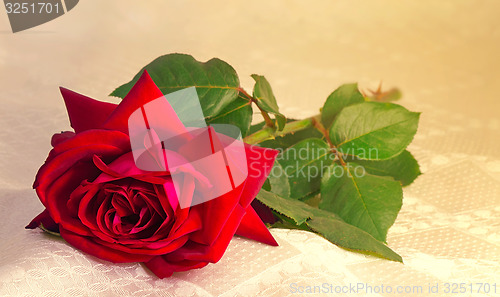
211 253
87 207
135 246
59 193
191 224
252 227
88 246
60 137
44 219
124 166
112 138
164 202
85 113
215 213
260 162
52 171
163 268
82 146
144 91
264 212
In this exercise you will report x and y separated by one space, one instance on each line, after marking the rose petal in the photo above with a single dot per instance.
44 219
59 192
111 138
144 91
134 246
264 212
215 213
163 268
252 227
85 113
89 246
80 147
153 204
169 192
210 253
163 199
122 207
88 208
260 162
192 223
146 223
124 166
61 137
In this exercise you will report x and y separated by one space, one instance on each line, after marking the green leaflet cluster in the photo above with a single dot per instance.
339 174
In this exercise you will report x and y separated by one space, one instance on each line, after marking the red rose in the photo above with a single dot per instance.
104 205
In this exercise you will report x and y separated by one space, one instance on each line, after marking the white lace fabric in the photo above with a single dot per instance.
442 54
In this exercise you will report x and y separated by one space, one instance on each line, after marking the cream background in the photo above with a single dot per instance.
443 55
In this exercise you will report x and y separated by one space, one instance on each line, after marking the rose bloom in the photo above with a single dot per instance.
101 203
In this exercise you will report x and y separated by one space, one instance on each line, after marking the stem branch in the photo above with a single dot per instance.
271 133
268 133
265 115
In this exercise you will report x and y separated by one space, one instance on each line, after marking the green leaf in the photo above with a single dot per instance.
238 113
295 210
303 164
287 140
278 181
267 185
374 131
256 127
280 120
366 201
403 168
216 81
312 199
285 223
347 236
263 92
344 96
327 224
